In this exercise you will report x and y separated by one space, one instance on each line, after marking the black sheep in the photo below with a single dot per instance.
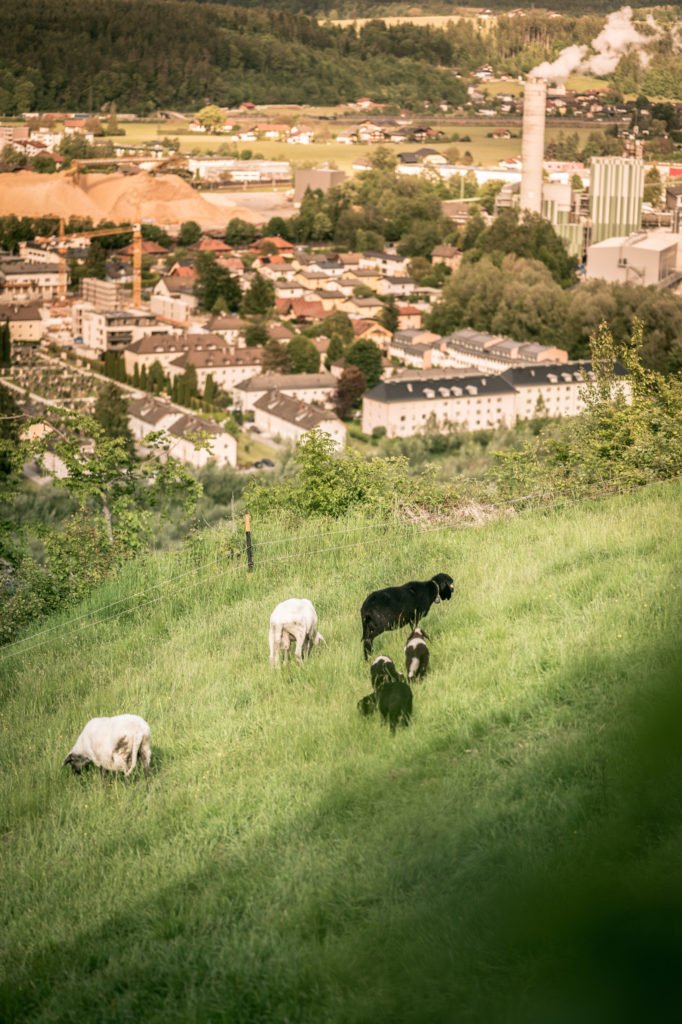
393 607
393 695
395 703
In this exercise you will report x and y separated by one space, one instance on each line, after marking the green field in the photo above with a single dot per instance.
513 856
486 152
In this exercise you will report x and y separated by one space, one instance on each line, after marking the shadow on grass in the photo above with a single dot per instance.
557 898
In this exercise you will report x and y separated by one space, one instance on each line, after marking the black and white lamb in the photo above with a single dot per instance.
416 654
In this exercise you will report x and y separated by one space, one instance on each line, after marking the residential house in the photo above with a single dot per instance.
399 287
167 346
289 419
113 330
300 135
301 310
449 255
406 405
384 263
231 328
368 308
278 332
226 367
26 321
372 330
555 389
318 388
30 282
409 318
215 245
147 415
173 300
331 298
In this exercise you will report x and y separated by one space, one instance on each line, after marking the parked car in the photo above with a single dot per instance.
264 464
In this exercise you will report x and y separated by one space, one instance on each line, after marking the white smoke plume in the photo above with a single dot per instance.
617 36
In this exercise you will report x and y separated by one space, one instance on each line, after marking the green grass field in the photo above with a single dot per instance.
513 856
484 151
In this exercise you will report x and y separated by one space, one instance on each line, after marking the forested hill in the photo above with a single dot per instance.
379 8
146 54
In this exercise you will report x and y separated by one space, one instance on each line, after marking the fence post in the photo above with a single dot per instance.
249 550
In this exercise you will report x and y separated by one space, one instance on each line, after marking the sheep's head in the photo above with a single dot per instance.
75 761
445 585
418 634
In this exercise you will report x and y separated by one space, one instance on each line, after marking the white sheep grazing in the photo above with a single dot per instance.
295 619
113 744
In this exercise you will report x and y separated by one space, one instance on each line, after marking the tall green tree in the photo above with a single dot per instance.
189 234
185 387
276 358
111 412
303 355
216 289
156 378
240 233
259 300
352 385
5 344
389 314
367 357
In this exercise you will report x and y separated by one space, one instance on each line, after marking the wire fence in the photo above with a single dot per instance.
241 559
179 583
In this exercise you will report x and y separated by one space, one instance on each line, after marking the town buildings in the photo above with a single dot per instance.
288 419
148 415
406 406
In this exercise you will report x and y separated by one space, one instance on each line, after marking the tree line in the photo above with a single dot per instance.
149 54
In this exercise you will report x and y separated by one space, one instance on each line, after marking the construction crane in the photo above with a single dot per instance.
156 162
63 238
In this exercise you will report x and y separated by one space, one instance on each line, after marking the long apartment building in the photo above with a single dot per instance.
475 401
493 353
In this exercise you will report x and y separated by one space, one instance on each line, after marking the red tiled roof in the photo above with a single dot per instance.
208 244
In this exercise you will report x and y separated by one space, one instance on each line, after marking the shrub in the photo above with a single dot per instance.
331 483
630 433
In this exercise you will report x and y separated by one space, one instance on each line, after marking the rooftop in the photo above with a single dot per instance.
435 386
293 411
289 381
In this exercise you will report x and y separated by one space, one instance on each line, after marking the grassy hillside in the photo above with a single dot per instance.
513 856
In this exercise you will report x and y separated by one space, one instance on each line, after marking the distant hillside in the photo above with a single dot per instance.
513 856
379 8
147 54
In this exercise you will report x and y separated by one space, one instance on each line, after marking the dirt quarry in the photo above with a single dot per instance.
164 199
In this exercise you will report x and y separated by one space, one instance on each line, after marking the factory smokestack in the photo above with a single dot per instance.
533 143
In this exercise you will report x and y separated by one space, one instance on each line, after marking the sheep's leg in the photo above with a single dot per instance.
300 637
275 644
145 754
368 636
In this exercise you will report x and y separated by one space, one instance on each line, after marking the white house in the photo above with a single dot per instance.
290 419
147 414
318 388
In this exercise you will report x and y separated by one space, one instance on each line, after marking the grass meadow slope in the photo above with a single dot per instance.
513 856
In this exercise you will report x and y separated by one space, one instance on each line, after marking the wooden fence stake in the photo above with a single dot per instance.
249 550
